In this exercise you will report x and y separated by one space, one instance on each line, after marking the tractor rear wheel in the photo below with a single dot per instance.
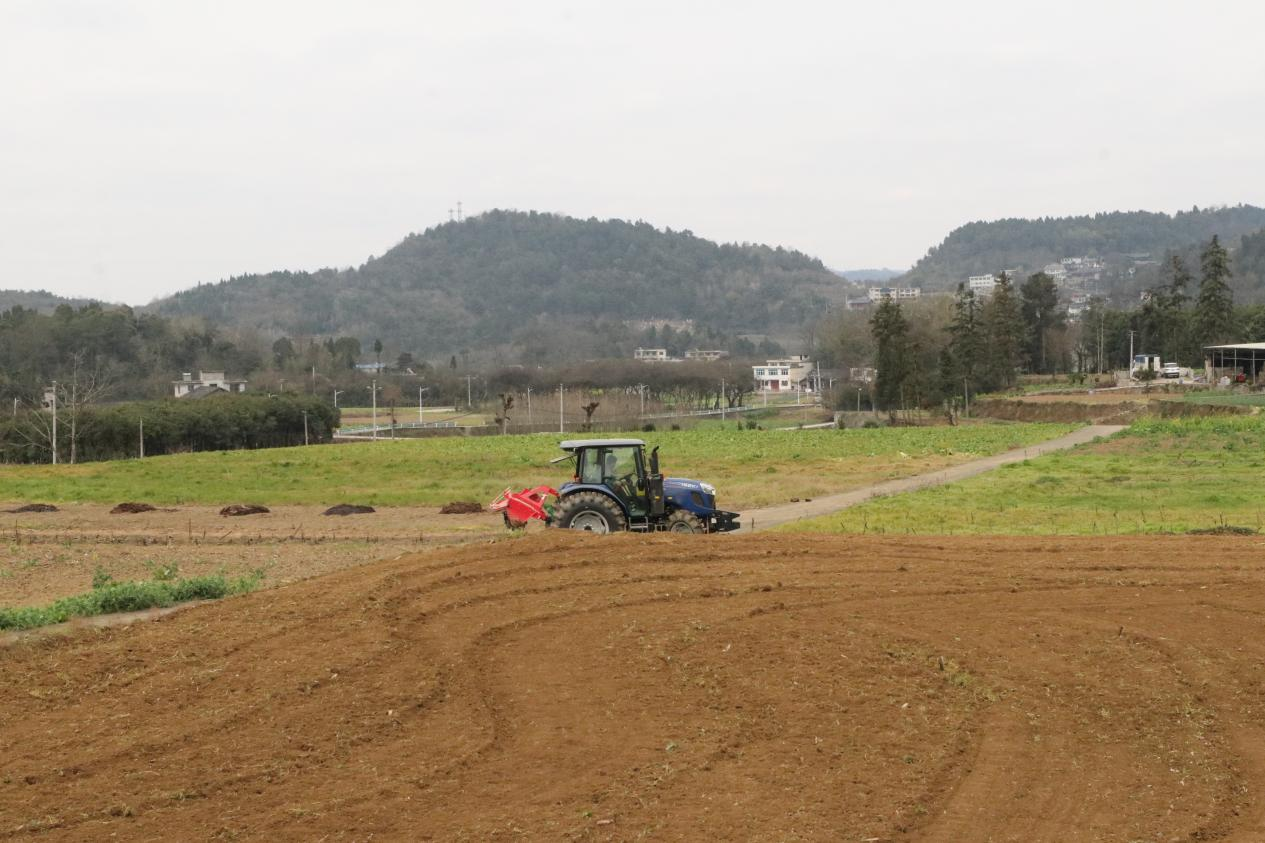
681 521
592 512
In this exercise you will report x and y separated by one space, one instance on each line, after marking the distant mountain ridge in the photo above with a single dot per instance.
987 247
40 300
491 279
870 276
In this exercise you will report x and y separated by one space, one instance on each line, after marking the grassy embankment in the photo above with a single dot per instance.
1158 476
107 597
750 468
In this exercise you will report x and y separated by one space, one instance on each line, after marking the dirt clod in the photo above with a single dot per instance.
460 508
34 507
348 509
132 507
244 509
1223 530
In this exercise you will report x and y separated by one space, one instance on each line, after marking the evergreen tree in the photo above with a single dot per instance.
966 345
893 358
1163 317
1041 315
1004 334
1214 311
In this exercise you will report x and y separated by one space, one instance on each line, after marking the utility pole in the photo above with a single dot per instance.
469 403
373 388
313 380
337 392
142 438
641 388
858 399
966 399
1102 316
723 399
1131 333
420 418
54 422
305 427
529 408
560 416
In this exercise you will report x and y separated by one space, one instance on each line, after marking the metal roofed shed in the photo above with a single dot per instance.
1230 360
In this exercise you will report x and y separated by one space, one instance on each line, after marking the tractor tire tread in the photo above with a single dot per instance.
572 505
681 517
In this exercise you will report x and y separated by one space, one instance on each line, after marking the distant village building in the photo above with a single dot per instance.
705 354
784 374
206 383
877 294
660 324
981 285
1055 271
374 368
651 355
863 374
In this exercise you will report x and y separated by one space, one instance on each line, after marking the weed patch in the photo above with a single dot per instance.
109 597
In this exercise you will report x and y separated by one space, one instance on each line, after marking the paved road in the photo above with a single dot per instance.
763 519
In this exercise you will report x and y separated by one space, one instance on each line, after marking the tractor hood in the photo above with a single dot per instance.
680 485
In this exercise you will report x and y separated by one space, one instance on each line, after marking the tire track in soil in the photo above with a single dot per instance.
466 761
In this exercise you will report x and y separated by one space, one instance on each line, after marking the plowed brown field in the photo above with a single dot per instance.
769 687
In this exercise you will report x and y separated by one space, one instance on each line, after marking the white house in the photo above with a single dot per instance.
651 355
705 354
877 294
981 285
784 373
204 383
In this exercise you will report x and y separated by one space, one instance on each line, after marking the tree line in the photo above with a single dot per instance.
124 430
982 345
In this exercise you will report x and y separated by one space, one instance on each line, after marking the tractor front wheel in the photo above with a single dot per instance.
685 522
592 512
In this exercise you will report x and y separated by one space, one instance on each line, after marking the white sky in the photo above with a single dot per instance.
146 146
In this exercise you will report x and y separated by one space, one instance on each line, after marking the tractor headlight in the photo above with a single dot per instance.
708 488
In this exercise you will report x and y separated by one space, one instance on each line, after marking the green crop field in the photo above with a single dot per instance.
749 467
1158 476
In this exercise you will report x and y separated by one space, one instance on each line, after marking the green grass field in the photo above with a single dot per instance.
750 468
1231 399
1158 476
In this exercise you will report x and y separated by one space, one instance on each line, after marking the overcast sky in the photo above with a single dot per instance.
147 146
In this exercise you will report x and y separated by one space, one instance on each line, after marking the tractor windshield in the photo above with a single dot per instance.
607 465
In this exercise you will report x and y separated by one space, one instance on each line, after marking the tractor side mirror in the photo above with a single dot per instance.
654 460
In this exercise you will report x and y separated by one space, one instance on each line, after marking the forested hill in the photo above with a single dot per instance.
38 300
985 247
506 277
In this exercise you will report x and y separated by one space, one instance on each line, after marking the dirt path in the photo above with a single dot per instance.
773 516
574 687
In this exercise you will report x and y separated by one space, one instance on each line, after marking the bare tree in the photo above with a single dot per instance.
507 403
589 409
63 405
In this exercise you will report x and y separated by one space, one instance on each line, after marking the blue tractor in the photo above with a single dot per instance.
614 487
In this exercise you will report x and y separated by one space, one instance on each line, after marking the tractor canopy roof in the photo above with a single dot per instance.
576 444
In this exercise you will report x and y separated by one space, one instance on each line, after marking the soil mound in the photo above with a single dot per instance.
348 509
461 508
34 507
128 508
1223 530
244 509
